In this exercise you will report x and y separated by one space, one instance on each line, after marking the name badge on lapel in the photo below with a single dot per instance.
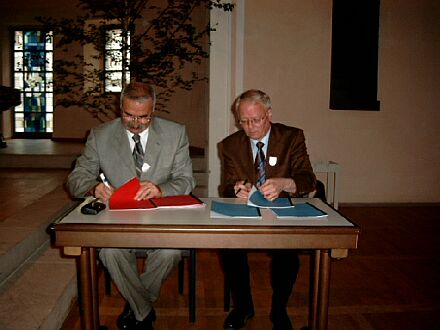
272 160
145 167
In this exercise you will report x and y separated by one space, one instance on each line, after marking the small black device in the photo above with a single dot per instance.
93 207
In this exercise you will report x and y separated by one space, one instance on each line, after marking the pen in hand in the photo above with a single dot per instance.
104 180
239 189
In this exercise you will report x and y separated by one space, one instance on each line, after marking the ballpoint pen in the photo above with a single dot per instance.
104 180
239 189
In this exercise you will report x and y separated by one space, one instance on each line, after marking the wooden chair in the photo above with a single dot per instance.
186 254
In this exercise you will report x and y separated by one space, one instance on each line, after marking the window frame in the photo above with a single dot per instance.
106 51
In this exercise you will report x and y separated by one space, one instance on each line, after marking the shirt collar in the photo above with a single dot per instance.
143 135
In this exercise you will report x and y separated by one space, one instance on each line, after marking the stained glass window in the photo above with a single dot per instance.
114 60
33 75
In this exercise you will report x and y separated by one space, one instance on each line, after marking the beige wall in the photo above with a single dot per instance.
392 155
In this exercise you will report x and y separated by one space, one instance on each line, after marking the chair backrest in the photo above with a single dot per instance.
327 173
320 191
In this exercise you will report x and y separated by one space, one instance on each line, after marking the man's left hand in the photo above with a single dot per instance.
148 190
272 188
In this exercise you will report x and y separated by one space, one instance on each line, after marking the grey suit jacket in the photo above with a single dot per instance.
107 150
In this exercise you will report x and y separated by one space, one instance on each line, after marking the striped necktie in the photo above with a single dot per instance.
138 154
260 164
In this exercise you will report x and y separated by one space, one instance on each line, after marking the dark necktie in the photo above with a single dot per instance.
138 154
260 164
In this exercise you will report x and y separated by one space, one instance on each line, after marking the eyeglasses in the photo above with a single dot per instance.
130 117
255 121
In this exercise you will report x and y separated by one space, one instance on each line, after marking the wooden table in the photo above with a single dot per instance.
79 235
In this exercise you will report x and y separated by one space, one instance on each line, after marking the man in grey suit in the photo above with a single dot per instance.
157 151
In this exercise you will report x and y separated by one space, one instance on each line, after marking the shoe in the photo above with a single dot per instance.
281 321
127 317
146 323
237 319
127 320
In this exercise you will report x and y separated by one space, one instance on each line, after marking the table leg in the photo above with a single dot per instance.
94 287
89 289
192 278
86 290
324 286
314 290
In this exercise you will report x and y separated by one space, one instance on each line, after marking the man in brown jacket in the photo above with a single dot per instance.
284 171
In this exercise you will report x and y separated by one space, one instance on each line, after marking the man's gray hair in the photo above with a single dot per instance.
254 96
138 91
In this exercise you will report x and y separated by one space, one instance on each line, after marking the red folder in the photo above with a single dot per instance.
123 199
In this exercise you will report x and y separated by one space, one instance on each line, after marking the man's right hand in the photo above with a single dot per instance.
103 192
242 189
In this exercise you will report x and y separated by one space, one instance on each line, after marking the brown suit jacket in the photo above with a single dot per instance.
286 143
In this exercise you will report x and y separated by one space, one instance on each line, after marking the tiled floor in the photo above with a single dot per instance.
41 147
22 187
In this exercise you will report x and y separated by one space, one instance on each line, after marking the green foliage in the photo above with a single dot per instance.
158 40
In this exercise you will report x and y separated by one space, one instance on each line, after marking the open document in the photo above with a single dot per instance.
256 199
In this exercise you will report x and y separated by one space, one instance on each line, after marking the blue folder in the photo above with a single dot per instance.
257 199
304 210
235 210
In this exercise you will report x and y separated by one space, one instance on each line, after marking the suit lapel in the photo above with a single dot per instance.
122 146
273 149
244 156
153 146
